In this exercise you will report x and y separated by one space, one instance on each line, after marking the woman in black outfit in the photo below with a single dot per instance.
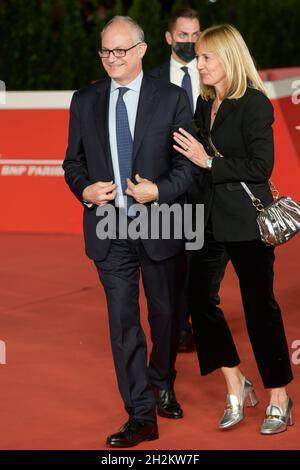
234 109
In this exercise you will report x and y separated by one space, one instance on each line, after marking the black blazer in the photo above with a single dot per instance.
242 132
88 158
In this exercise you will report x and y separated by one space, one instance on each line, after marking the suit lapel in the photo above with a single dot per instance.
101 113
147 105
101 107
206 110
227 106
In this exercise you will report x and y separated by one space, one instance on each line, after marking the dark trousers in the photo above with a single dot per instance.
253 263
184 316
119 274
185 311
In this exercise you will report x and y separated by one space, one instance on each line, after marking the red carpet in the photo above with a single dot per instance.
58 388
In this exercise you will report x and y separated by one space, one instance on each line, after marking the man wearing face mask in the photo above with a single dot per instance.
181 69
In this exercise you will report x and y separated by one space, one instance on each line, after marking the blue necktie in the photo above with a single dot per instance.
124 143
187 85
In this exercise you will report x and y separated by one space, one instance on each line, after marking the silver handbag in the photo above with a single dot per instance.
279 221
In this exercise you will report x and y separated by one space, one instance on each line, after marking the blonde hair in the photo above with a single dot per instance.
226 41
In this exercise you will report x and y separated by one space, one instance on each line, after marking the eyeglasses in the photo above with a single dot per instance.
105 53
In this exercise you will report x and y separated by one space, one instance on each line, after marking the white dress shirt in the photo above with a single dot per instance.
131 100
176 76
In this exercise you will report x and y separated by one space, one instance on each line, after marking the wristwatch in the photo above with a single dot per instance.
87 204
209 163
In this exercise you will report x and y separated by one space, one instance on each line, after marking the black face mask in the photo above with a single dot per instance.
185 50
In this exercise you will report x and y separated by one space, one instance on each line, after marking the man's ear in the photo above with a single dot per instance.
168 37
142 49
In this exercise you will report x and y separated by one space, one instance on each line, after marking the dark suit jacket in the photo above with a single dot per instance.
88 158
162 72
242 132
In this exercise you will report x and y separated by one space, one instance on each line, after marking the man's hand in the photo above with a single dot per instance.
144 191
99 193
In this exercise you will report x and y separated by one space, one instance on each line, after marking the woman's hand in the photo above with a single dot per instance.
190 148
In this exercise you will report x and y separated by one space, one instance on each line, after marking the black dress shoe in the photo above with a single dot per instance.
167 405
186 341
132 433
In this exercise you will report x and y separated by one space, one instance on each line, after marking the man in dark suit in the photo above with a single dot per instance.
181 69
120 146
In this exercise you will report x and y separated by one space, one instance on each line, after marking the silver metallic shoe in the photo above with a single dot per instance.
234 411
276 421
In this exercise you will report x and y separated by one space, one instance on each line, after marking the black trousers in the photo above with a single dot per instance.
119 274
253 263
185 311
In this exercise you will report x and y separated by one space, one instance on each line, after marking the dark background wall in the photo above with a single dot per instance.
52 44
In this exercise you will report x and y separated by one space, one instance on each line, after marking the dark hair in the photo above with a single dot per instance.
182 13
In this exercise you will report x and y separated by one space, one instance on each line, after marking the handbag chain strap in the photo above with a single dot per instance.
216 151
255 200
274 191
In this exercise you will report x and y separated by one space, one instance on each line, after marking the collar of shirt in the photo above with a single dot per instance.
192 65
176 76
134 85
